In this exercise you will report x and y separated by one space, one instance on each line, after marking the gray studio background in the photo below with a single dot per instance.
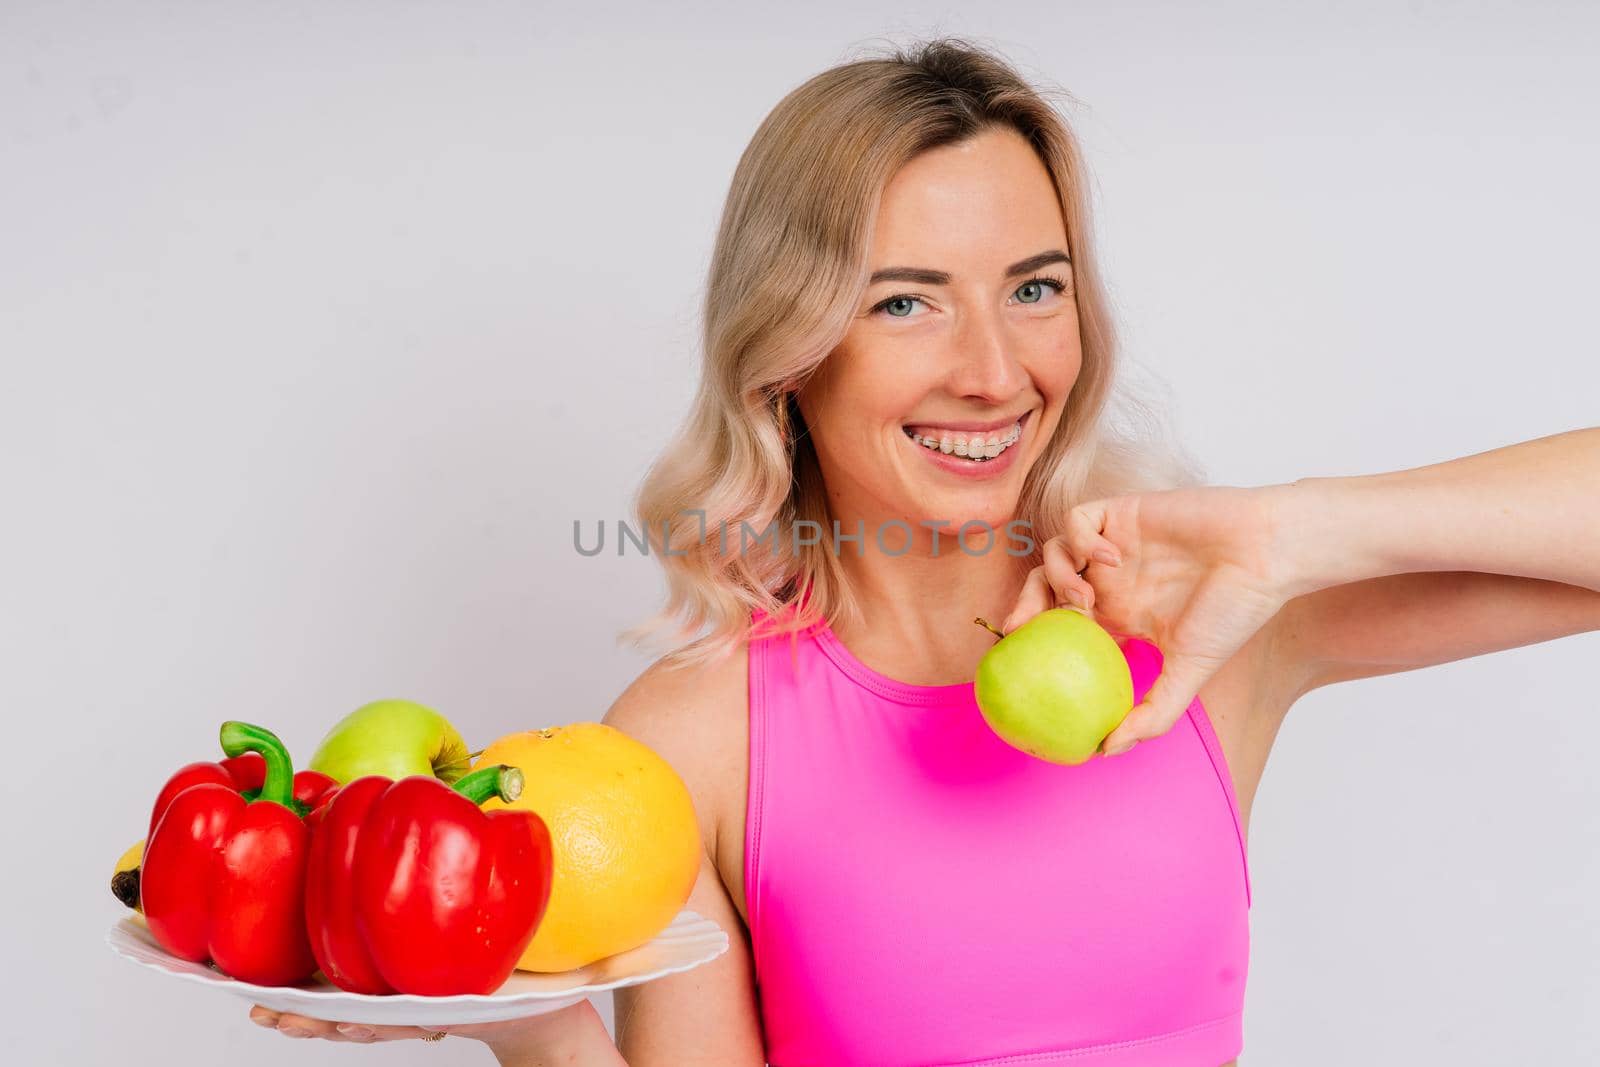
322 322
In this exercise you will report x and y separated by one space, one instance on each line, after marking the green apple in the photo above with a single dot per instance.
1055 686
394 738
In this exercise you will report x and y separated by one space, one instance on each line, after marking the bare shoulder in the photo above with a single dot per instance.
695 717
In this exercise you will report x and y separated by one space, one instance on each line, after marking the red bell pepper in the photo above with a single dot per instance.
223 878
243 774
412 889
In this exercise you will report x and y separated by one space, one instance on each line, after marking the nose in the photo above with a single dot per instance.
985 366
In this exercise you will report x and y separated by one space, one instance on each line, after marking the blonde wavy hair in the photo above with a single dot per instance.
795 234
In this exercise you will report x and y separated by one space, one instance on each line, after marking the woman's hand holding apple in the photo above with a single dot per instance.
1197 571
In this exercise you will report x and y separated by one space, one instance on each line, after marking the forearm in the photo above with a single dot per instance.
580 1041
1529 509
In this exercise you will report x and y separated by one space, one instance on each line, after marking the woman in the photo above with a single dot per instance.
907 349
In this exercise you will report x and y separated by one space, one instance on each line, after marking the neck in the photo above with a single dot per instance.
917 609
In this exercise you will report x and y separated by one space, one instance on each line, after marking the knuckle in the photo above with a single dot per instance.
1059 559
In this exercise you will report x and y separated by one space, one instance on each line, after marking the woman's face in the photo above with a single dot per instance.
968 354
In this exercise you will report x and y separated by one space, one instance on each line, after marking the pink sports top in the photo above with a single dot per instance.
922 893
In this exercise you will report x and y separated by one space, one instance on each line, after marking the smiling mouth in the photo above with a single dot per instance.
974 447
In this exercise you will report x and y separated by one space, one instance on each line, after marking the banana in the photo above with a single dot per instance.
125 877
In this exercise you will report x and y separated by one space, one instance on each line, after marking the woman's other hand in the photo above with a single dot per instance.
1196 571
291 1025
576 1030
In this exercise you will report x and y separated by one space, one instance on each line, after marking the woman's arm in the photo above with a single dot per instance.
706 1016
578 1036
1509 534
1394 572
1530 509
1403 622
697 719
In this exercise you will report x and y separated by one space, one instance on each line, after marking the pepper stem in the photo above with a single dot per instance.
241 737
980 621
485 782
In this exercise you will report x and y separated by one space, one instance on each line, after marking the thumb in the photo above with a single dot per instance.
1167 699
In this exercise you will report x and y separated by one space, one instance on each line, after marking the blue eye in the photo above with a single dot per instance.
1058 284
893 300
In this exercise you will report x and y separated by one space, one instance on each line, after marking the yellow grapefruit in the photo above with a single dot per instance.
625 841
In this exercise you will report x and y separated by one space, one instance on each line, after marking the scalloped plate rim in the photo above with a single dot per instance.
216 979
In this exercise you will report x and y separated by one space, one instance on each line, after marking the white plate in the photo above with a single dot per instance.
687 942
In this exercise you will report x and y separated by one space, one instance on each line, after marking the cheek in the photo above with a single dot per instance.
863 398
890 388
1054 368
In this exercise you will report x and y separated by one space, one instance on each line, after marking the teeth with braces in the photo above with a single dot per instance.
974 446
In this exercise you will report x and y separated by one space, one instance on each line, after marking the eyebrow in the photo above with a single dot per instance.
925 276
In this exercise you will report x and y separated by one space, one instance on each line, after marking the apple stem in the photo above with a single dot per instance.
468 758
980 621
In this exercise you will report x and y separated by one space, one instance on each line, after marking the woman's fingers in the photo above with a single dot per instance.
1060 578
1057 581
291 1025
1062 568
1167 699
1086 525
1041 593
1036 596
1076 559
363 1033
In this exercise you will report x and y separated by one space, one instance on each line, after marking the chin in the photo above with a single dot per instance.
972 506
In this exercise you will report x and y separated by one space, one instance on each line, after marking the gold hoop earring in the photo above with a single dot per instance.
783 417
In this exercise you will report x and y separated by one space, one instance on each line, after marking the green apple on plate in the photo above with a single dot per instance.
1056 686
394 738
